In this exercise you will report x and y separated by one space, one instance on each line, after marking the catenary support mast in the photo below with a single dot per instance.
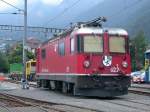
24 39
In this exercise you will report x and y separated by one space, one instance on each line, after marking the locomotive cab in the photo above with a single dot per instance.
101 52
103 60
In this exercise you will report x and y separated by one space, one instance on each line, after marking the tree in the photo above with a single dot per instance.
4 65
15 56
30 55
137 50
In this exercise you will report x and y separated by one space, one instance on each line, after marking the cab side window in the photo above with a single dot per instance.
43 53
61 49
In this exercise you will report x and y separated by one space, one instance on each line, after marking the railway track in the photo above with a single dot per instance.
131 104
140 90
48 107
17 101
12 101
121 102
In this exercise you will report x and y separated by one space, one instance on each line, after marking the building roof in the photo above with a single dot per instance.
33 43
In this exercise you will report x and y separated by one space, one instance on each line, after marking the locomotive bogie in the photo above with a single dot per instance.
102 86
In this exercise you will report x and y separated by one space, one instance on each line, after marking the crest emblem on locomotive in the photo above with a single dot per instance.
107 60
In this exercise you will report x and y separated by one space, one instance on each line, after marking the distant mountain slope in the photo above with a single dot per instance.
133 15
140 21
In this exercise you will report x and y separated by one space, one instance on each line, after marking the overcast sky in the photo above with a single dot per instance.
19 3
41 12
60 13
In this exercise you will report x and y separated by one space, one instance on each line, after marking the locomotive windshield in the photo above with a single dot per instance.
117 44
93 43
33 64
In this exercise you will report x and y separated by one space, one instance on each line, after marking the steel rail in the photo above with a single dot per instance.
139 92
6 109
135 92
45 104
16 99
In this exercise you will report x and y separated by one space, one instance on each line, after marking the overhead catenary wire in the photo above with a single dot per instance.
125 8
12 5
111 16
77 1
10 13
65 10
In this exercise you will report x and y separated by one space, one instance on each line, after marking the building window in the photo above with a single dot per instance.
43 53
61 49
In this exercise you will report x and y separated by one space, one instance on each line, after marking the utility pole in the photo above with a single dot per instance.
24 39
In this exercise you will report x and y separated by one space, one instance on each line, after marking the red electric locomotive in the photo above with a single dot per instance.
88 60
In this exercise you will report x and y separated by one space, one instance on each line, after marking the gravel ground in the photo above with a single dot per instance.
127 103
22 109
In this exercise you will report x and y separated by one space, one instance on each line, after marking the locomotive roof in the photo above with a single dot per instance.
90 30
97 30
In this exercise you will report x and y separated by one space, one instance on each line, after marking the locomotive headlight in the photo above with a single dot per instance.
86 63
124 64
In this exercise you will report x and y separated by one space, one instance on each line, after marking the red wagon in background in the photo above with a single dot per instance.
87 60
3 78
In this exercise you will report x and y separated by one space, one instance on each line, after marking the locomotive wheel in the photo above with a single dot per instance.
70 88
52 85
39 83
49 86
73 89
64 87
